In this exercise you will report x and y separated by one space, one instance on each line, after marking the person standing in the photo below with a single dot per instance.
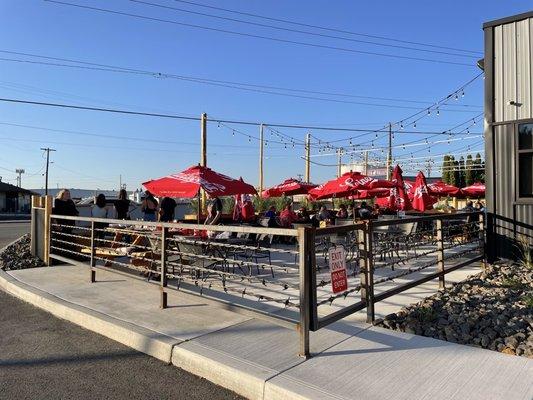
149 207
63 205
122 205
99 210
167 209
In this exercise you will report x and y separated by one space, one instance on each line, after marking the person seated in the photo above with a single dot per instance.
350 211
480 206
469 207
303 214
323 214
343 212
376 212
287 216
364 211
214 211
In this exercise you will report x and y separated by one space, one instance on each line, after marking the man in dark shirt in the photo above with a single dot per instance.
167 209
364 212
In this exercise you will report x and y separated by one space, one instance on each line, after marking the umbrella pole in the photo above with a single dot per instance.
199 208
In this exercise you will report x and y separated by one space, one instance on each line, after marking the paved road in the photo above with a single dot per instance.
9 231
43 357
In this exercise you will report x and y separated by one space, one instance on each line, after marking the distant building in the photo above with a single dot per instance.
508 66
14 199
78 194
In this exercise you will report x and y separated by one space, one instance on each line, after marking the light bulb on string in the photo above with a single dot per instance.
266 142
249 139
438 112
429 111
462 93
233 132
456 97
414 125
218 125
401 126
474 121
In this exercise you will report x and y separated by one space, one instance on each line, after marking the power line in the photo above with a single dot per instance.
300 31
324 28
187 118
257 88
306 44
213 83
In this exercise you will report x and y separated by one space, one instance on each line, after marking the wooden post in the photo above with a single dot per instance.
33 244
306 269
47 228
261 148
163 298
367 271
203 155
440 254
93 254
308 158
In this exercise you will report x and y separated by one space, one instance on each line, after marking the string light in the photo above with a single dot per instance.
414 125
438 112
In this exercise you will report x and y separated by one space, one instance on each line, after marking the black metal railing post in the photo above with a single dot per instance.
440 254
366 270
305 241
164 234
482 240
92 264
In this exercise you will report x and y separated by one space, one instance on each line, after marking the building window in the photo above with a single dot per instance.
525 161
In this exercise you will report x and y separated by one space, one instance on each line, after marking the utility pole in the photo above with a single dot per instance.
428 168
366 163
308 158
339 162
261 144
203 156
389 154
19 172
48 150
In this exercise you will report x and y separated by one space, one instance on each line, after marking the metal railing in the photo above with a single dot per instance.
279 274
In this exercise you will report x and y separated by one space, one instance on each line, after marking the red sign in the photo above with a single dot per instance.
337 268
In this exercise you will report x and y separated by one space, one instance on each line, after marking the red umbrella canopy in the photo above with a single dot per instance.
422 200
186 184
399 195
475 190
369 194
440 188
347 184
289 187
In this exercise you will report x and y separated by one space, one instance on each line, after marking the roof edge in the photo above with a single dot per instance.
507 20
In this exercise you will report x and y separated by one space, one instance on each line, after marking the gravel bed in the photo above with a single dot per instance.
492 310
18 256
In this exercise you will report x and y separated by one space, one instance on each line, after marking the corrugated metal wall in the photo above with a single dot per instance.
513 59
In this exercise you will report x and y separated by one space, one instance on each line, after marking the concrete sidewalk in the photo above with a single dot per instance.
257 359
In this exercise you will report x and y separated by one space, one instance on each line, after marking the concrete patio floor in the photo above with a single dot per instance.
257 359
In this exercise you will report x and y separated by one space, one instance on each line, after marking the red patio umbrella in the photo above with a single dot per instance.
399 195
440 188
475 190
369 194
346 185
422 200
289 187
187 184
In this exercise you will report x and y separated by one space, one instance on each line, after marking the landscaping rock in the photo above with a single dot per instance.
18 256
493 310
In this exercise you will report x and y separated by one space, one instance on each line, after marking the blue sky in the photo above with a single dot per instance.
164 145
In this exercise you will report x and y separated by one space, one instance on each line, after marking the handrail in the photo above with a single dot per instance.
181 225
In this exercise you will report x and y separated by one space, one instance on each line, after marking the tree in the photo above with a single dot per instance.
453 176
479 167
445 165
469 174
461 172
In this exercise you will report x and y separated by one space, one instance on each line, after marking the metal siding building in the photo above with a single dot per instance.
508 67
